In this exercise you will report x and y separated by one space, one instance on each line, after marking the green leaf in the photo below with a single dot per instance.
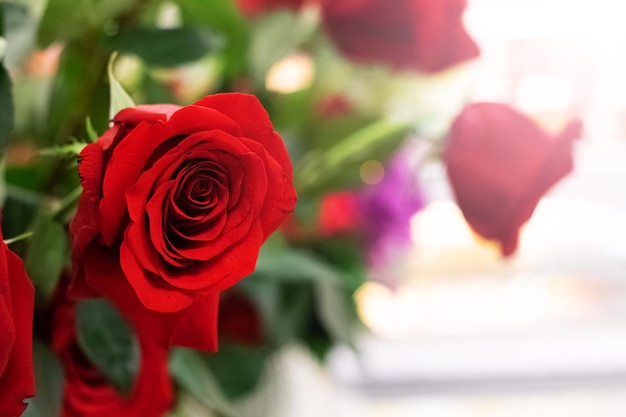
108 341
6 104
49 384
224 17
119 97
92 135
238 368
284 263
338 166
79 89
334 308
65 20
47 254
3 47
165 47
191 372
19 29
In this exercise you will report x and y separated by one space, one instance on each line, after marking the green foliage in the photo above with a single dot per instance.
47 254
66 20
49 384
165 47
6 104
237 368
108 341
119 97
189 370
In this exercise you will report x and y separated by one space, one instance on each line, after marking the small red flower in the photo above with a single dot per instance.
338 213
500 164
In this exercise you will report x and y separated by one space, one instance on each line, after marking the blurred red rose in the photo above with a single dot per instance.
338 213
239 319
87 393
176 203
17 296
426 35
500 164
255 7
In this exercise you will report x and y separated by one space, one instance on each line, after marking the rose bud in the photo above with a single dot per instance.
500 164
88 393
176 204
17 297
422 35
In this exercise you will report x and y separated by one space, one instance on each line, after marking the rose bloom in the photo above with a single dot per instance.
500 164
176 203
17 296
87 393
253 8
425 35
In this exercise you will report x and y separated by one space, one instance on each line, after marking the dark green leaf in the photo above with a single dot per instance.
49 384
165 47
190 371
47 254
108 341
80 89
237 368
6 104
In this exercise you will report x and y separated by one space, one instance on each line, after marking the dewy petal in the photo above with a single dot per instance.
194 327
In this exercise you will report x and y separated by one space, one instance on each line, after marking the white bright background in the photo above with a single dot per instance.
540 335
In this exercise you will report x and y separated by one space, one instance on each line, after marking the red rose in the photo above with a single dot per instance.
256 7
500 164
239 319
426 35
176 204
17 296
87 393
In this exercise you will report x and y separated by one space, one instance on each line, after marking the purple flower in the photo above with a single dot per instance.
388 207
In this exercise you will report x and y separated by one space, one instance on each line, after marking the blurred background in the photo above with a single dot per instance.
338 321
543 333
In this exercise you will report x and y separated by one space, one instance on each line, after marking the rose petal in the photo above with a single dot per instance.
195 326
254 121
18 381
153 292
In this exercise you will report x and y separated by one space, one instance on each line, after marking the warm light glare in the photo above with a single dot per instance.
291 74
372 172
